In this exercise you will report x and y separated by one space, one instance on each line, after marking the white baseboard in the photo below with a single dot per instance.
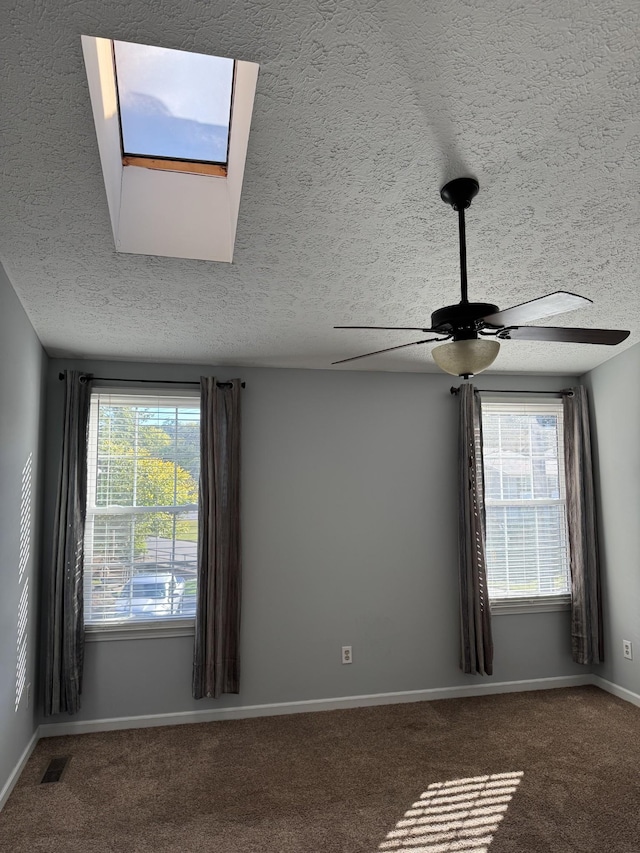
212 714
17 770
620 692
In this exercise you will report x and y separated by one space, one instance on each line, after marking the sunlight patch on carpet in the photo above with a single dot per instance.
459 816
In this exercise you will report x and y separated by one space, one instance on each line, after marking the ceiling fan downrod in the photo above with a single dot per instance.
463 318
459 193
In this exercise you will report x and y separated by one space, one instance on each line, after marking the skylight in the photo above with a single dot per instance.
173 167
174 105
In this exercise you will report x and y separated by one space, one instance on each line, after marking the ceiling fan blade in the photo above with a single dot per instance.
391 328
388 349
609 337
538 309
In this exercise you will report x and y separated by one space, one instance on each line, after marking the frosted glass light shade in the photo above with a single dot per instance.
466 358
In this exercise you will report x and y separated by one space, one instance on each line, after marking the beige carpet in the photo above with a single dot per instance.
557 770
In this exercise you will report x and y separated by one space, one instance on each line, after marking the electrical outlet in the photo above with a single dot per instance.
347 654
627 649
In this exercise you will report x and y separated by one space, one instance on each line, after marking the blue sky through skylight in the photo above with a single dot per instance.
173 103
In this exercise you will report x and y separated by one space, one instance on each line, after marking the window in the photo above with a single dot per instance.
527 542
174 105
142 508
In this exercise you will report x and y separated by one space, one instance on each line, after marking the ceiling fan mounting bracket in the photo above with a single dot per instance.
460 192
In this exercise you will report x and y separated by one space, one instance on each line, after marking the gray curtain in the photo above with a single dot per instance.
475 614
64 648
216 665
586 602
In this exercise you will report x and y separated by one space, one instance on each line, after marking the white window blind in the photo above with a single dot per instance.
142 508
527 550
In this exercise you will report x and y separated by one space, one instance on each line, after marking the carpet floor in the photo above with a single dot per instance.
555 770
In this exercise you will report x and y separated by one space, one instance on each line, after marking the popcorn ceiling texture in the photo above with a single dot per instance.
363 110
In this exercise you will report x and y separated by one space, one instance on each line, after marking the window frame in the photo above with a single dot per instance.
142 629
537 603
211 168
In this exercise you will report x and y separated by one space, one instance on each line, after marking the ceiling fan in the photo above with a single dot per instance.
475 328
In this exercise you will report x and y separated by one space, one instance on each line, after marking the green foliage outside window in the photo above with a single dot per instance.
141 464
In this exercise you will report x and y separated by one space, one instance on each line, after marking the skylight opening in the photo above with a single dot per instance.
174 108
172 207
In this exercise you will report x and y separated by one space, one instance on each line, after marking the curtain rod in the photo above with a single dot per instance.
86 376
566 392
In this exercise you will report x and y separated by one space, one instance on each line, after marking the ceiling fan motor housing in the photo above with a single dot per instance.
464 320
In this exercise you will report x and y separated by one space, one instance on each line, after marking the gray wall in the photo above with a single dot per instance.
615 401
22 383
349 538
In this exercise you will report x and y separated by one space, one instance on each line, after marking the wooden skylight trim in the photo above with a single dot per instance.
192 167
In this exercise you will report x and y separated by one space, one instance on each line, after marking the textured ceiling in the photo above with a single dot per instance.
363 110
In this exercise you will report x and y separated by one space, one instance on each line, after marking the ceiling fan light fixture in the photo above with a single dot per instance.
466 357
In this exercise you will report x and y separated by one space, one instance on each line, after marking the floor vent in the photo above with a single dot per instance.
55 770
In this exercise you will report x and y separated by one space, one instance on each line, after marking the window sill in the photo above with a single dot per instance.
506 606
141 631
